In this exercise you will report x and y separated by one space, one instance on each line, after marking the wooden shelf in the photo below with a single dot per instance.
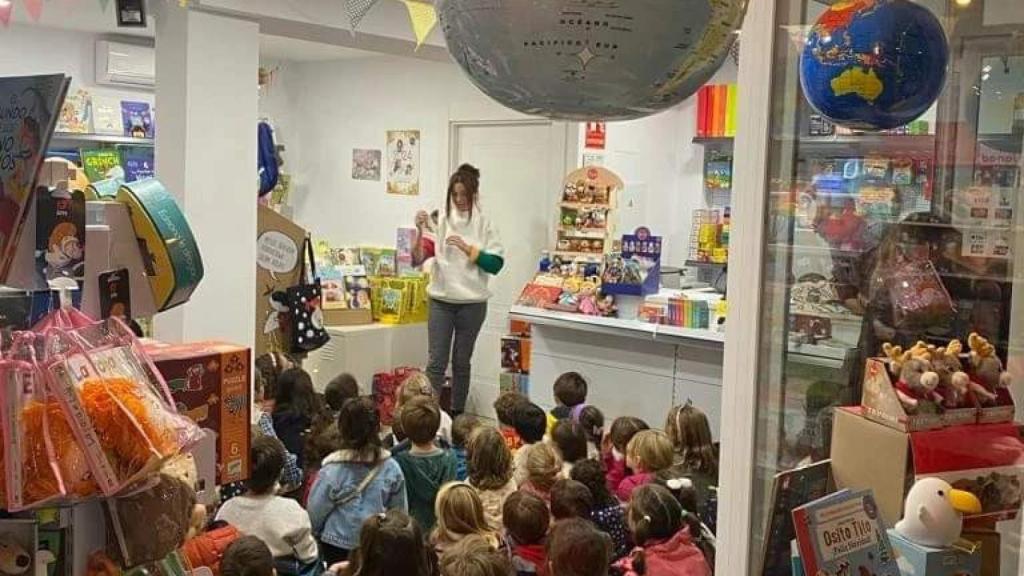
592 234
566 254
582 205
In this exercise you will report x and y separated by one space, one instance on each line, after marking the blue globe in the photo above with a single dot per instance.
874 64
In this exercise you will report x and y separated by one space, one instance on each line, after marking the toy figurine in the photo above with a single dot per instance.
989 381
588 299
606 306
916 381
954 383
933 513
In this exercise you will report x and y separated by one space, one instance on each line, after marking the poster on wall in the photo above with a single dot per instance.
403 165
595 139
366 164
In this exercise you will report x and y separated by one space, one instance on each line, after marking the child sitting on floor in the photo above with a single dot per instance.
576 548
571 442
279 522
648 453
389 543
489 463
695 456
570 391
531 424
662 532
526 519
426 466
505 409
462 427
543 468
613 448
592 421
570 499
247 556
607 513
474 556
460 513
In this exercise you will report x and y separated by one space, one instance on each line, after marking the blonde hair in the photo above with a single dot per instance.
651 450
543 465
416 384
488 459
460 513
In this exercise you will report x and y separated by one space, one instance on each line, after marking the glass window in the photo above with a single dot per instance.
904 235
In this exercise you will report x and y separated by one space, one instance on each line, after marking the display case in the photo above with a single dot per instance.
860 238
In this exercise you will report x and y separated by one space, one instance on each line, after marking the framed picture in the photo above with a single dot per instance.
403 167
131 13
366 164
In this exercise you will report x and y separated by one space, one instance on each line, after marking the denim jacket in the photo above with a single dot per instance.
341 473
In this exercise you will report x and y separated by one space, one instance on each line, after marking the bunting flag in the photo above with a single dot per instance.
5 11
35 8
356 10
423 17
104 4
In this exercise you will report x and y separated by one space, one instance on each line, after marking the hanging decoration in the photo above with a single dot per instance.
356 10
423 17
5 12
35 9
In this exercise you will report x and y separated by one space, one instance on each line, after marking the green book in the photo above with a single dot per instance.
99 162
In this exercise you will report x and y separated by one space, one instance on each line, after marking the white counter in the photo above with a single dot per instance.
634 368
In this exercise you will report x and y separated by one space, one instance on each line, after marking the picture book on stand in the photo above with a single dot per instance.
843 533
138 161
137 119
29 106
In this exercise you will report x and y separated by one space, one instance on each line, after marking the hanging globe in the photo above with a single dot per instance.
874 64
590 59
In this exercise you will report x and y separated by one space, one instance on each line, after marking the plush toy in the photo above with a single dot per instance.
916 381
14 559
933 513
588 299
987 374
606 306
954 383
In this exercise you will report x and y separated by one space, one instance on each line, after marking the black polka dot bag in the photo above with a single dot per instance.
304 304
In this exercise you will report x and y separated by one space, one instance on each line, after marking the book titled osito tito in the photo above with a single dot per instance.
843 533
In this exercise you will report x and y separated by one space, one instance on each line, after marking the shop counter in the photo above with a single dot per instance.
367 349
634 368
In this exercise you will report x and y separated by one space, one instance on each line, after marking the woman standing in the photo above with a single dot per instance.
466 251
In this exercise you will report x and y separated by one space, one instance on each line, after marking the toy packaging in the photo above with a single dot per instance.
379 261
843 533
210 385
637 269
914 558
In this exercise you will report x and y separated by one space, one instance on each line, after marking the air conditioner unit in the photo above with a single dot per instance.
119 64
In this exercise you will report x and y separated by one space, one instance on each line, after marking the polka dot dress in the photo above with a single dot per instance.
612 521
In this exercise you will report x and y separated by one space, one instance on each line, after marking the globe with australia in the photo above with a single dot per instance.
874 64
589 59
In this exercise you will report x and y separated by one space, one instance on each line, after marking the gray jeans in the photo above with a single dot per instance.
451 332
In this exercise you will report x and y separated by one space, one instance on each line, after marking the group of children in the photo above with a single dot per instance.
551 494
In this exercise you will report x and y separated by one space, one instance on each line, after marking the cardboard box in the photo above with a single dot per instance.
882 405
917 560
278 267
346 317
988 542
210 383
982 459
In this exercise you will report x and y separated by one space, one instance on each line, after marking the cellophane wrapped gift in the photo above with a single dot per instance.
918 297
45 462
119 406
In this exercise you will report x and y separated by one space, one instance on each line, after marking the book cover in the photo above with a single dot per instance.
406 241
721 102
76 113
731 104
702 110
843 533
60 234
137 119
29 106
101 164
790 489
138 162
538 295
106 115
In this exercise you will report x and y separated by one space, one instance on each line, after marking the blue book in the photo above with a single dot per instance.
843 533
137 119
138 162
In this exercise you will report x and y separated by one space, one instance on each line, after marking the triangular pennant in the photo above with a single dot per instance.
423 18
356 10
5 11
104 4
35 8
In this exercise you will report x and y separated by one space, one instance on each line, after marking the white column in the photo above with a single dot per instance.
206 103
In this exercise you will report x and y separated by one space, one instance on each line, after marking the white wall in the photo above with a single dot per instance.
321 111
27 49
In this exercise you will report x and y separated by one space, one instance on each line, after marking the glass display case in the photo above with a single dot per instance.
898 236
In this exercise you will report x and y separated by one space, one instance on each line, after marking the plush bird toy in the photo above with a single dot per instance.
933 513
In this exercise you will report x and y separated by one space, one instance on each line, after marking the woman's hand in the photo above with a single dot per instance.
338 569
422 218
459 243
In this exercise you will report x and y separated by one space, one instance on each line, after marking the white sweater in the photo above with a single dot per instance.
453 278
279 522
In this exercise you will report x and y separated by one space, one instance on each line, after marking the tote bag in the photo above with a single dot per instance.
304 305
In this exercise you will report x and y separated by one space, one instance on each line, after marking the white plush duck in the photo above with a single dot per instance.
933 513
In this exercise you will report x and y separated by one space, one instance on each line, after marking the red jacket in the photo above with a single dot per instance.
677 556
615 470
630 483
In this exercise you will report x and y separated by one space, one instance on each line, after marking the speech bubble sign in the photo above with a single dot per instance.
276 252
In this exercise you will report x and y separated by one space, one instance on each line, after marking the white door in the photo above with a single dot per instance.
521 166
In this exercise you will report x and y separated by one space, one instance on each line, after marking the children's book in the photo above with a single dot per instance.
106 115
843 533
76 114
101 163
137 119
406 241
139 162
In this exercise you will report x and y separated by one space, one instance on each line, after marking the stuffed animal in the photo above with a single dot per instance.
14 560
933 513
987 374
954 383
916 381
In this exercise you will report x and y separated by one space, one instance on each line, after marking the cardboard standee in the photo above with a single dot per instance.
278 267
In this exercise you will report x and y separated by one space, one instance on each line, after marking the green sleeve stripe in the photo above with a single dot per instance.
490 263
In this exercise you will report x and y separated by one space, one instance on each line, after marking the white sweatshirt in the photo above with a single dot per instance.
453 277
279 522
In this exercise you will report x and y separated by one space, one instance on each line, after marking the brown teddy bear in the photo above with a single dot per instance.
989 381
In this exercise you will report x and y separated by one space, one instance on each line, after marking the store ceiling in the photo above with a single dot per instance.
291 49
